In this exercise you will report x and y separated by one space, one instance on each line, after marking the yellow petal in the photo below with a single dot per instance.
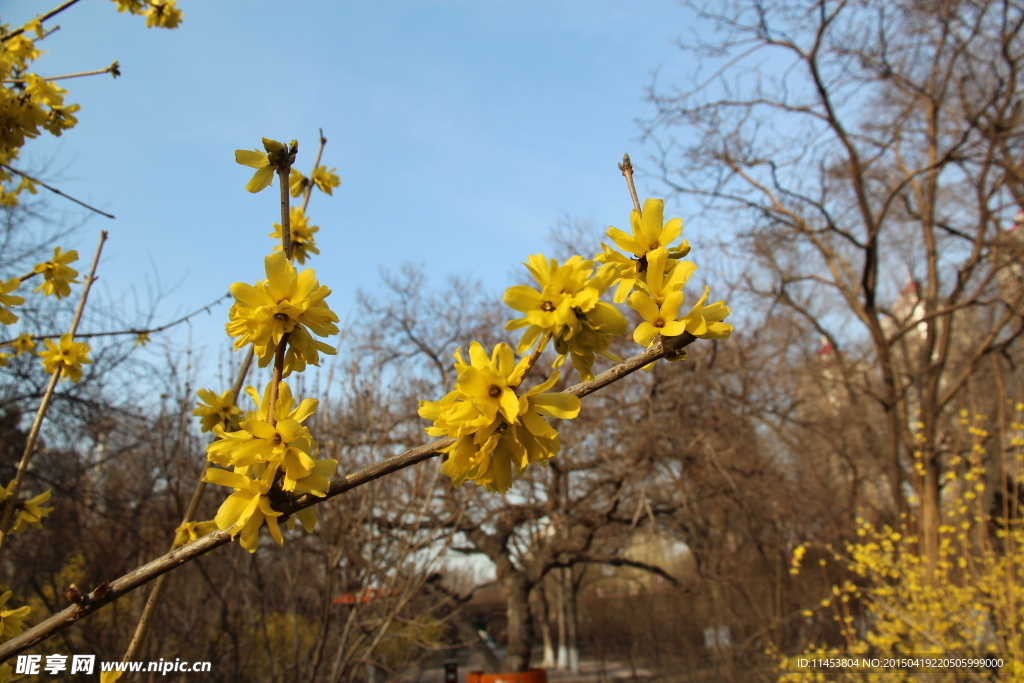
561 405
644 305
644 334
225 478
261 180
251 158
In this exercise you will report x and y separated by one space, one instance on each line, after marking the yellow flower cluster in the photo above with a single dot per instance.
496 429
66 356
648 234
272 448
969 601
568 308
158 13
661 296
268 453
28 104
286 303
499 432
658 276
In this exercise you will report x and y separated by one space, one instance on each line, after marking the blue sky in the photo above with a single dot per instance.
461 130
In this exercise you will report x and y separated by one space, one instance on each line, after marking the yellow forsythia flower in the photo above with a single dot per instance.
11 620
659 297
216 410
265 163
286 443
57 275
67 356
706 321
326 180
142 339
259 452
245 510
31 512
286 302
191 531
301 231
24 344
648 234
163 14
297 183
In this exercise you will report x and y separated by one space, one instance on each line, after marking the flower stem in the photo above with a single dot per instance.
286 225
275 379
286 243
535 356
309 187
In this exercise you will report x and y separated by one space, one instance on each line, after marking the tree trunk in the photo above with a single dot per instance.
571 622
520 626
542 613
563 640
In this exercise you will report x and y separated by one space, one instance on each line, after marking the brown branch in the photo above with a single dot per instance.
661 348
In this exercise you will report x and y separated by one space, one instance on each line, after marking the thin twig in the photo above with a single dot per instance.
114 68
627 170
309 187
55 190
41 18
33 435
87 335
661 348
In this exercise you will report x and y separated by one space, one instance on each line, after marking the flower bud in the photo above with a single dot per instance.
273 145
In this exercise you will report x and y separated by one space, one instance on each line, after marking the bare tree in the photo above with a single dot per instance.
867 145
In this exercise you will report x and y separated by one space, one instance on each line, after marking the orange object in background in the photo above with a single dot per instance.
529 676
369 595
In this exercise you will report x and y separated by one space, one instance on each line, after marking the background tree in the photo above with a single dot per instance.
868 147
